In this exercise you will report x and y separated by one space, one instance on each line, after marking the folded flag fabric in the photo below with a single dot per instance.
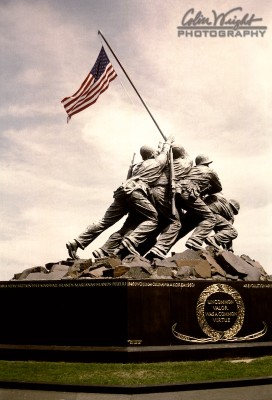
96 82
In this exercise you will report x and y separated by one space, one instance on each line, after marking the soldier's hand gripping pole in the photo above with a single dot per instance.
172 182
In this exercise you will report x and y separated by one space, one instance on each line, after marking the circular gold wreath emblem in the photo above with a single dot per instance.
200 311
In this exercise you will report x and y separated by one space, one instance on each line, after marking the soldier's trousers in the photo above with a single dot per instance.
224 230
122 204
115 239
206 219
169 234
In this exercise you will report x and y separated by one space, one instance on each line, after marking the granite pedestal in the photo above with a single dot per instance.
119 320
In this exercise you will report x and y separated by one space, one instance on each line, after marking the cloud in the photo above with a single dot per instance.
213 95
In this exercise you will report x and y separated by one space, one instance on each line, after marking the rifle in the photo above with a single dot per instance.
172 182
129 174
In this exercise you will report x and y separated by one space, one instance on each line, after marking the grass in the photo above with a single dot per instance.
133 374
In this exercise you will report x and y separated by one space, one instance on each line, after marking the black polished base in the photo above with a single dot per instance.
117 320
134 354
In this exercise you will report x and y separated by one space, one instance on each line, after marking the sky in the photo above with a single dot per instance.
214 94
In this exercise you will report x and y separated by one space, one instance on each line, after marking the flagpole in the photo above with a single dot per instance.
155 122
130 81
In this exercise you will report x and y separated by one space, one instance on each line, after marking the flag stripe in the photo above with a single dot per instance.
91 99
84 101
92 89
96 82
84 87
96 90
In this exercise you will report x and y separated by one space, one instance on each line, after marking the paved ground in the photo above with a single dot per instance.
260 392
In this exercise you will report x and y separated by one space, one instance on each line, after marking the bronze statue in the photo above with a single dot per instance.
153 225
200 181
224 231
181 165
133 194
224 211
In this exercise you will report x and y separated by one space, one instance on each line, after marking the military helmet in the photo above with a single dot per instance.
202 159
235 206
147 152
178 151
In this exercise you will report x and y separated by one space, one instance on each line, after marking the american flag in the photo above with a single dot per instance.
96 82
